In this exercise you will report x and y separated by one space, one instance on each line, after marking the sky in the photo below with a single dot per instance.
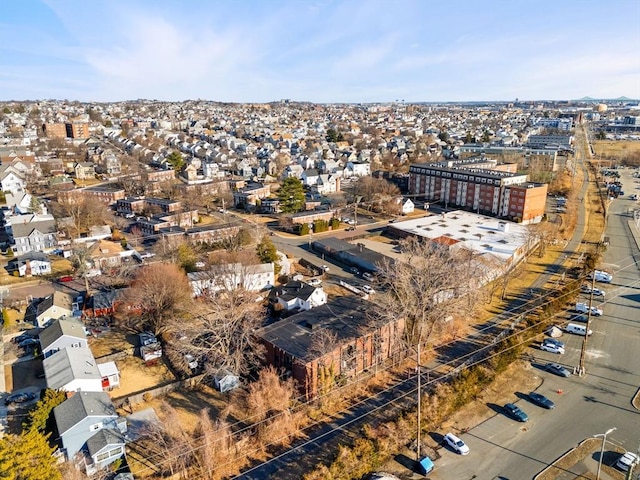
319 50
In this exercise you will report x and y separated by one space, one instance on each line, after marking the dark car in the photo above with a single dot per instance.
515 412
557 369
541 400
21 337
29 342
66 278
19 398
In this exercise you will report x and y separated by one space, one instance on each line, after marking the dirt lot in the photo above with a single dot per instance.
135 376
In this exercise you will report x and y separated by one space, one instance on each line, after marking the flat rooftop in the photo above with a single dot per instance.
481 234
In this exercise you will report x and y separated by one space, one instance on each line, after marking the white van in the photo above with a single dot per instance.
601 276
577 329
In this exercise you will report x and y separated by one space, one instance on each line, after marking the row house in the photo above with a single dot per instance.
212 233
301 218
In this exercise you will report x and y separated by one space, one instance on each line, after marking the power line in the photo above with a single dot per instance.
195 448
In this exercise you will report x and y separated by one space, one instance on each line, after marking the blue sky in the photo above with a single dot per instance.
319 50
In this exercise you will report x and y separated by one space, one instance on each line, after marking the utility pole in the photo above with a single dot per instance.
419 402
583 350
604 439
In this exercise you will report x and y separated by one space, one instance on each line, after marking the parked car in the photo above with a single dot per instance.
553 341
455 443
368 276
66 278
21 397
324 268
354 270
367 289
314 282
633 196
129 215
596 291
550 347
541 400
515 412
627 460
351 229
29 342
579 318
557 369
601 276
582 307
21 337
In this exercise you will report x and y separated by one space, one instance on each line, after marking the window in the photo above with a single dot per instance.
95 427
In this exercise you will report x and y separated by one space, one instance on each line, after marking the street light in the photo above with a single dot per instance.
604 439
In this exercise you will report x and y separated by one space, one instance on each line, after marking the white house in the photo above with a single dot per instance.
63 333
11 181
293 170
297 295
310 177
31 264
407 206
31 233
72 370
253 278
357 169
327 184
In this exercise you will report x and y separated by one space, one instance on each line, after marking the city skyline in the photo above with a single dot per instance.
325 51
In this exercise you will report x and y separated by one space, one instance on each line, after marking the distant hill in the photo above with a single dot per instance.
619 99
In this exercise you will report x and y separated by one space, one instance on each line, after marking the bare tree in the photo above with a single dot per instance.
323 344
431 285
221 334
375 192
80 215
159 299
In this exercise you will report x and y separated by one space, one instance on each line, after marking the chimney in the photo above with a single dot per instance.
503 227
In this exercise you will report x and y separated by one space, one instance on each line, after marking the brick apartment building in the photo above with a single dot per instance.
77 129
361 342
55 130
139 204
106 196
470 184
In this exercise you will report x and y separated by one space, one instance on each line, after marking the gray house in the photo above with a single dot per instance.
62 333
88 424
32 233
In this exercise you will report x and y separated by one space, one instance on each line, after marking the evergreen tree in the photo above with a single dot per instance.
27 456
291 195
175 160
38 417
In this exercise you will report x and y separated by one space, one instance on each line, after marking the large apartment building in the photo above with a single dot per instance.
474 186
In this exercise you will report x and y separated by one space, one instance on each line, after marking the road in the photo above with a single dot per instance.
500 448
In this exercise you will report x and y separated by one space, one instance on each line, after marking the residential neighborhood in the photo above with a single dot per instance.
162 255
